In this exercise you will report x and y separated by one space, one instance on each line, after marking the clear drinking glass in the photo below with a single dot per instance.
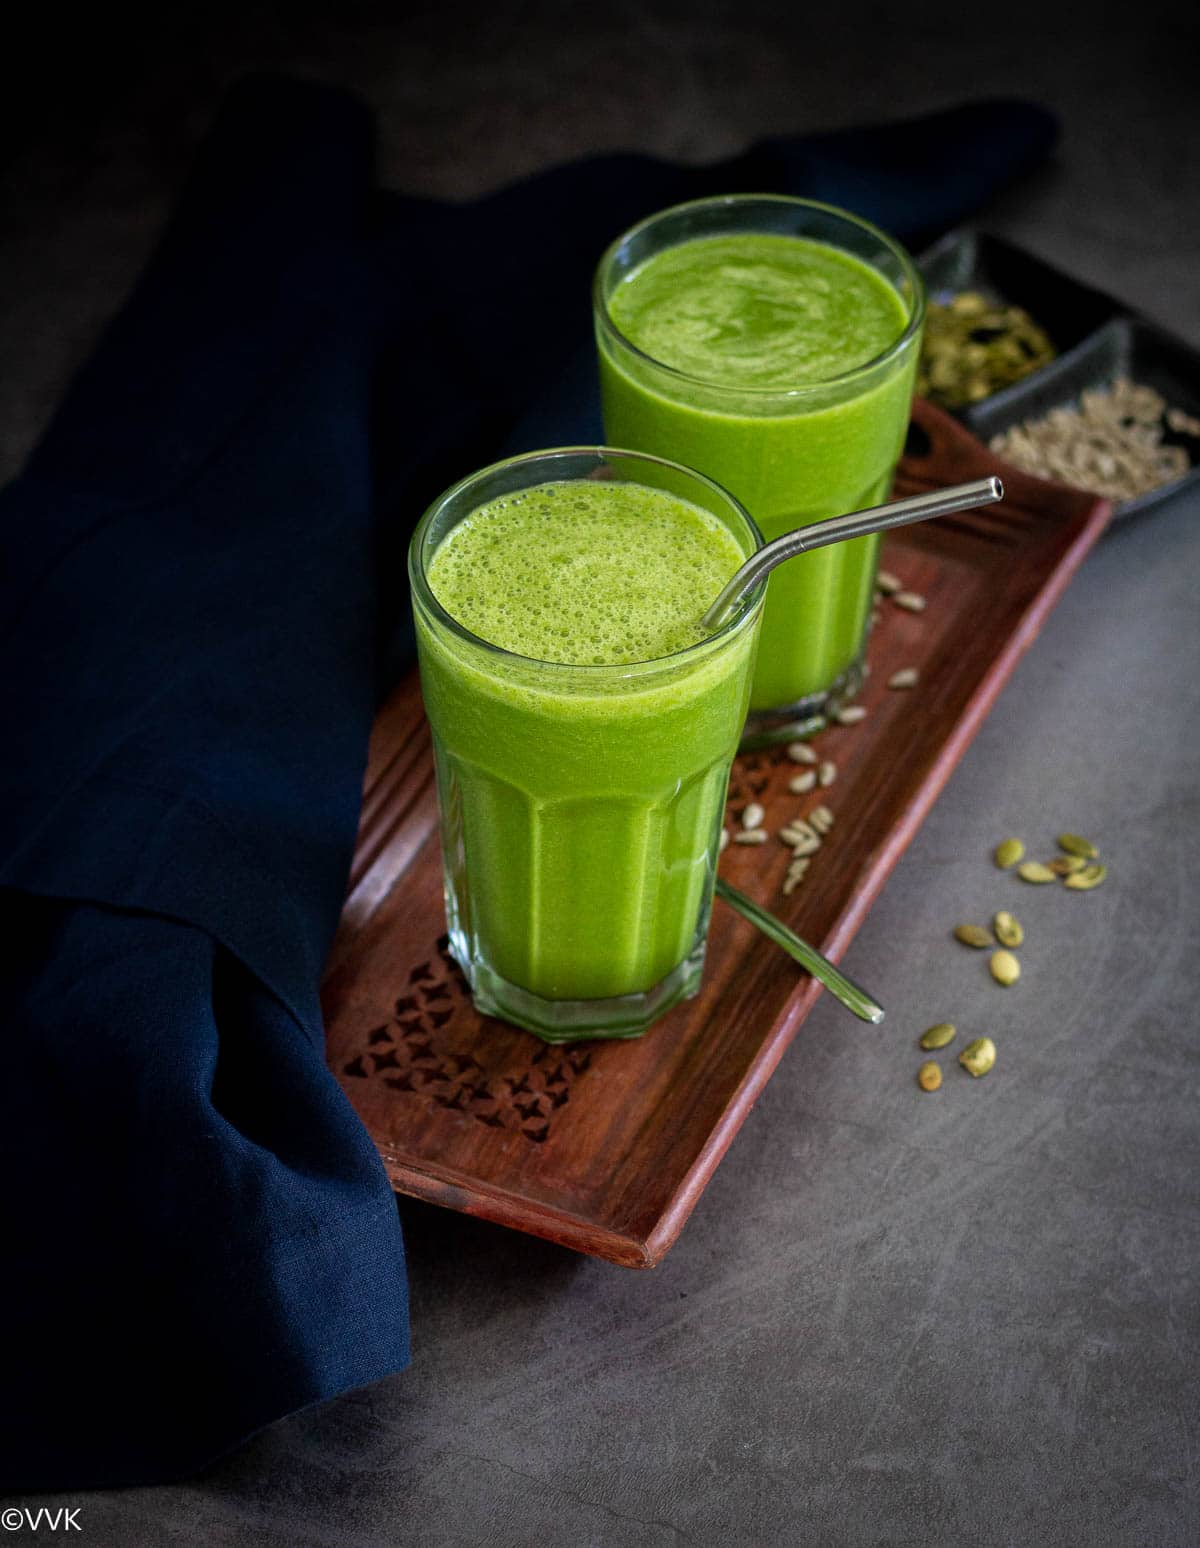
792 452
580 805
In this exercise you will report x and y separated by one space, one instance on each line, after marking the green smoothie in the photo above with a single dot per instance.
770 363
583 751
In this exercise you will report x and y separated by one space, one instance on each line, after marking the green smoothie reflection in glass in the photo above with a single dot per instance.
772 343
583 728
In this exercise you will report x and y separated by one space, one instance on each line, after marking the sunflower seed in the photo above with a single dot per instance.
803 783
972 935
938 1036
1072 844
888 583
907 677
801 752
752 816
802 844
851 715
910 601
1008 852
978 1056
929 1076
795 875
826 774
1083 881
1035 871
1008 929
1004 968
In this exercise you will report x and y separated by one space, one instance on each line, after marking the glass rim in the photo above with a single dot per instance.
420 581
806 389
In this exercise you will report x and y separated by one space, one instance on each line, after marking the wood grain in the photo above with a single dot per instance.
605 1147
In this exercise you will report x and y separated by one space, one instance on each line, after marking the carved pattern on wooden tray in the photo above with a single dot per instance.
425 1049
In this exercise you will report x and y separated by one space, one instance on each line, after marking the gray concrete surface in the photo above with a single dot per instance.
965 1319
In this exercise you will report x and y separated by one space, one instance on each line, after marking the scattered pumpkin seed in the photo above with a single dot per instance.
821 818
1008 929
978 1056
826 774
753 815
938 1036
751 836
723 841
1035 871
972 935
910 601
906 677
1008 852
929 1076
801 752
803 783
1066 865
888 583
1072 844
1004 967
851 715
1083 881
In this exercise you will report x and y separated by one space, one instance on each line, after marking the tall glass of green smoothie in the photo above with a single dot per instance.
772 343
583 728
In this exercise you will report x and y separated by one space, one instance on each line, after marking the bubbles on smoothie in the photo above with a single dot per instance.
585 573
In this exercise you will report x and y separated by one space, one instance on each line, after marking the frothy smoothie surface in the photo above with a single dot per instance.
758 311
585 572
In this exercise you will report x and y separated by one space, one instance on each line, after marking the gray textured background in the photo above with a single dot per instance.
893 1319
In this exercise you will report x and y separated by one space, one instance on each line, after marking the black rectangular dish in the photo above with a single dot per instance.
1098 341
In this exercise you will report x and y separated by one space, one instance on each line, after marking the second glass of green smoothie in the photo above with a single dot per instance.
583 728
772 343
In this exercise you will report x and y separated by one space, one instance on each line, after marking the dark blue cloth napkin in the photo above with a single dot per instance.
201 601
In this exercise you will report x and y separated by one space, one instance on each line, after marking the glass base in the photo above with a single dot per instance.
577 1021
805 717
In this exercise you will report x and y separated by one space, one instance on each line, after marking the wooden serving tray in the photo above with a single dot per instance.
606 1146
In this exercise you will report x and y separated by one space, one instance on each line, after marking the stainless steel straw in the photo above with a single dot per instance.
943 502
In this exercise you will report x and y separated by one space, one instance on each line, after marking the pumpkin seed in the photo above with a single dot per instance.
1035 871
1008 852
753 815
826 774
751 836
888 583
910 601
1005 968
1008 929
851 715
723 840
972 935
1072 844
938 1036
906 677
978 1056
1066 865
801 752
929 1076
821 818
802 783
1083 881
